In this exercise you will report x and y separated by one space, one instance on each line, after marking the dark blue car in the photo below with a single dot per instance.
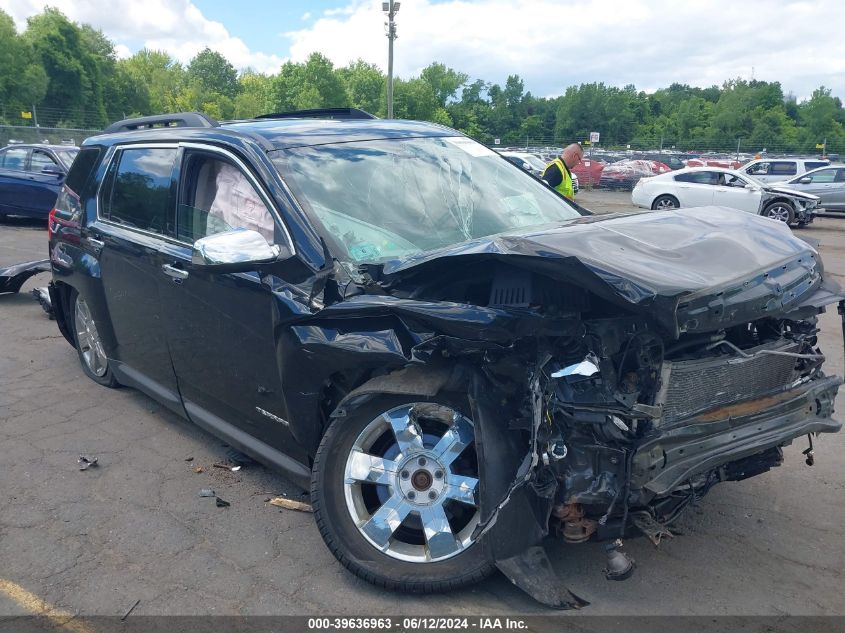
31 177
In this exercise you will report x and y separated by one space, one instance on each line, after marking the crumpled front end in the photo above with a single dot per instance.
625 428
616 368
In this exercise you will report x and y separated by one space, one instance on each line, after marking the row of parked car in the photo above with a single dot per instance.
756 187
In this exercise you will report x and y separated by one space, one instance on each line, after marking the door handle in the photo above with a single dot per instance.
176 273
94 243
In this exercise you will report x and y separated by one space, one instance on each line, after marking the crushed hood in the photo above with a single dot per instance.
790 192
693 269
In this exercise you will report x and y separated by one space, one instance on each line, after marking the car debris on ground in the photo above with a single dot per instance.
291 504
13 277
87 462
42 295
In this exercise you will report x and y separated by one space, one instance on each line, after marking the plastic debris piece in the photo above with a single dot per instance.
238 458
230 467
291 504
87 462
131 609
42 295
585 368
207 492
221 504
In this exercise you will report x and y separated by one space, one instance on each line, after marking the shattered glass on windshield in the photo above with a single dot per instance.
392 198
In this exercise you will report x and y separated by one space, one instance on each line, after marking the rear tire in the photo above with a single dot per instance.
664 202
382 530
780 211
89 346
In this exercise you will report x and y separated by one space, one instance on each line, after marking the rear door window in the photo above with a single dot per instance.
138 191
823 176
784 168
699 177
40 159
14 158
814 164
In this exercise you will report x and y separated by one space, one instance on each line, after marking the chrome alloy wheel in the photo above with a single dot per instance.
664 203
411 482
779 212
88 339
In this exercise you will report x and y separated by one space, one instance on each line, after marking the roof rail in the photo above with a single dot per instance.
178 119
321 113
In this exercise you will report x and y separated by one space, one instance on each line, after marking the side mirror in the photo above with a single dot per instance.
806 180
240 250
52 170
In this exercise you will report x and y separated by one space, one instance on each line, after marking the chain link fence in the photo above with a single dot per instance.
54 135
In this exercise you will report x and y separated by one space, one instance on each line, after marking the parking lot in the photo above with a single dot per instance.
135 529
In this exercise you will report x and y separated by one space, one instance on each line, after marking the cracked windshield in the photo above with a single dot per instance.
391 198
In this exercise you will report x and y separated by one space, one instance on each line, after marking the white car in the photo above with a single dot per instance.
706 186
781 169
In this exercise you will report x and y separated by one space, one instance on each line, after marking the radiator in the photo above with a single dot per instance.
694 386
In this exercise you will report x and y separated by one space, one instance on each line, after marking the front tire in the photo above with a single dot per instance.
780 211
89 346
664 202
395 493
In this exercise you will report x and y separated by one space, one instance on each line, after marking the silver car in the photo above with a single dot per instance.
826 182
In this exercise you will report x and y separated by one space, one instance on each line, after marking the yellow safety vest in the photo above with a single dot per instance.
565 187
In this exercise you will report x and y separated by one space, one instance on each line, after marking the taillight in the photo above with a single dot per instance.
66 212
50 220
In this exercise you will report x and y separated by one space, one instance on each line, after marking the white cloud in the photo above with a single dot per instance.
553 44
175 26
306 16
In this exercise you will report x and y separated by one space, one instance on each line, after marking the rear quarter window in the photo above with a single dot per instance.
81 168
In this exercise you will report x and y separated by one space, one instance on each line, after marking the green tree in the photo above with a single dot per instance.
365 85
254 95
820 116
160 73
213 74
23 81
59 47
444 81
314 84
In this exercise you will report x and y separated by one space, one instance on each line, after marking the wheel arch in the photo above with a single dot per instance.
60 295
664 195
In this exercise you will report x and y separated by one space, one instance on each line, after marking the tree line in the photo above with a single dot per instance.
69 74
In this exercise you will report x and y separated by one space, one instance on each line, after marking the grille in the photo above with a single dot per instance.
690 387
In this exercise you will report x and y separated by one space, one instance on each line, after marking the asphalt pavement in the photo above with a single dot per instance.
134 529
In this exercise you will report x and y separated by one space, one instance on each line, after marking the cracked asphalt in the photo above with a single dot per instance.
134 528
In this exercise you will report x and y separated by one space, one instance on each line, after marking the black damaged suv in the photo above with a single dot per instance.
451 356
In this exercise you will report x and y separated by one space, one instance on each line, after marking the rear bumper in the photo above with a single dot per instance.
718 437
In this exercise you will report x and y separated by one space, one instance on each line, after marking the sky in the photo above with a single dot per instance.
549 44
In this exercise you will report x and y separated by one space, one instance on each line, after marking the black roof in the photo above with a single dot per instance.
276 134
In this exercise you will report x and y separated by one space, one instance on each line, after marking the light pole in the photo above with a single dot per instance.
391 8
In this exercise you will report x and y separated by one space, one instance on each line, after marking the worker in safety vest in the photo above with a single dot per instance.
557 172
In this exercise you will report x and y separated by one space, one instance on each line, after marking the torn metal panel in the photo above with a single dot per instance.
532 572
692 270
42 296
13 277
